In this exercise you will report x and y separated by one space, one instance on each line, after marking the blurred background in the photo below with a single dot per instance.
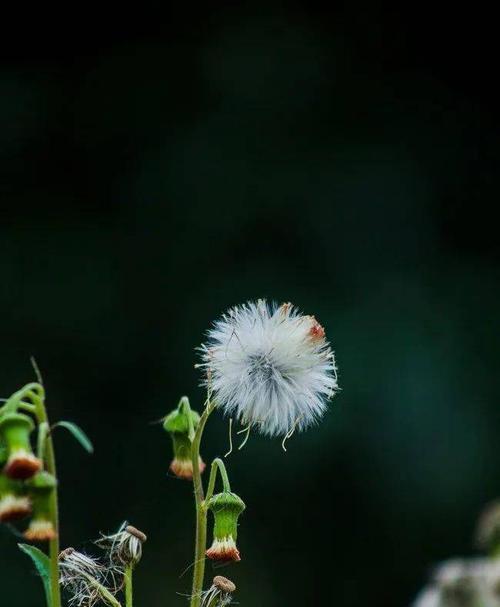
160 164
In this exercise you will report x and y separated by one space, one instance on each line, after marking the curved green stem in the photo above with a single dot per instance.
129 588
217 465
201 513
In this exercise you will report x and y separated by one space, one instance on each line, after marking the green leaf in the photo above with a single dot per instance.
42 564
78 433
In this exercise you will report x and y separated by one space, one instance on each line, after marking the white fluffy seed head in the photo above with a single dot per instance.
459 582
84 578
269 366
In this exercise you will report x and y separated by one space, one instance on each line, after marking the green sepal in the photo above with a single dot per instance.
40 489
182 447
15 430
226 508
42 564
182 420
9 486
78 434
42 482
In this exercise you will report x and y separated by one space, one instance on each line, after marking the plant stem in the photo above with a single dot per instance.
217 465
201 513
129 592
37 393
106 595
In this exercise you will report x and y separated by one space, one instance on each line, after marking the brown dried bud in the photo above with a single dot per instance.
223 584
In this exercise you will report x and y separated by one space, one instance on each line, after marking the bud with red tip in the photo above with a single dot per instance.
181 423
14 504
41 527
226 508
15 430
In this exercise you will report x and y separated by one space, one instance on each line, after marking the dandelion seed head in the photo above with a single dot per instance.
84 578
488 527
72 562
269 366
428 597
462 582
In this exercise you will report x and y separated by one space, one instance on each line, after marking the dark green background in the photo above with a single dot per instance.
160 164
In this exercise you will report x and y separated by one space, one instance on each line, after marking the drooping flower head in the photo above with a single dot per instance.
226 508
41 488
15 430
14 503
179 423
269 366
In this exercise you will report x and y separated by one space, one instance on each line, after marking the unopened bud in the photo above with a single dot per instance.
179 424
15 430
41 488
226 508
14 503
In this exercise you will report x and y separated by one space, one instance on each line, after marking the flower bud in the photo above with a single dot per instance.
178 424
15 430
226 508
41 488
13 504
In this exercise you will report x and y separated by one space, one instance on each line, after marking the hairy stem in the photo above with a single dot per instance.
129 592
201 513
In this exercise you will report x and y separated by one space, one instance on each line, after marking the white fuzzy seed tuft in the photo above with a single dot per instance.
86 579
269 367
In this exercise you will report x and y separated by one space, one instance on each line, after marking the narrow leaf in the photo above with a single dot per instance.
42 564
78 433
